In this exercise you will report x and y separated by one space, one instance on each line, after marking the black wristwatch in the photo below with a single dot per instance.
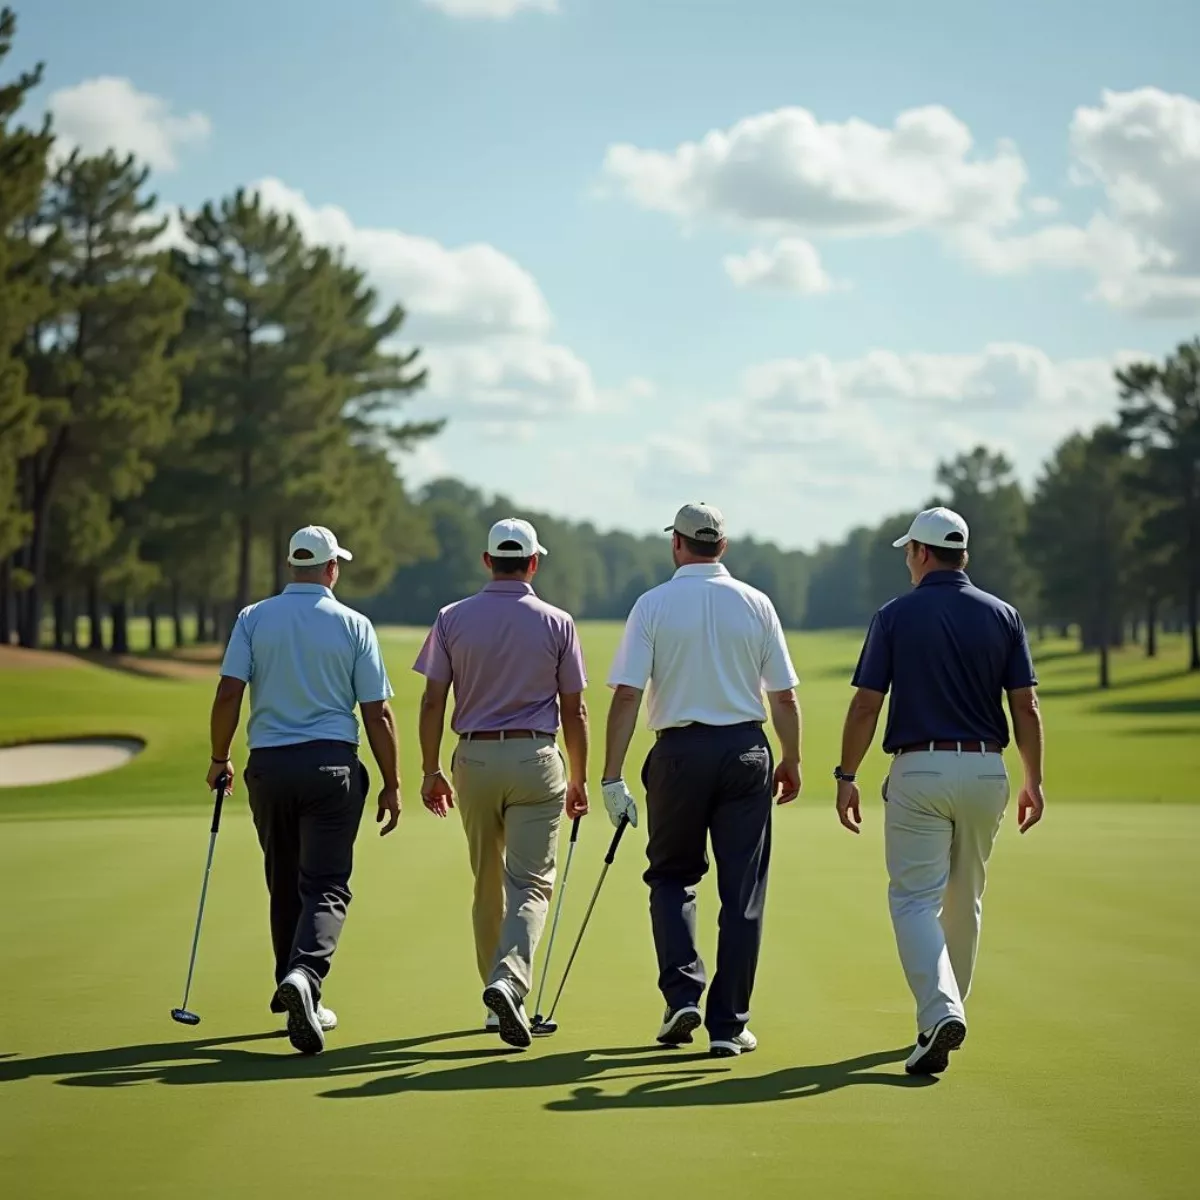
843 776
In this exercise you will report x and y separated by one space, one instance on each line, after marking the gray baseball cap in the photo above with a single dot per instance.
700 522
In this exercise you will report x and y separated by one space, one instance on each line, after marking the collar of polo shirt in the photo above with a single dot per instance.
311 589
702 570
954 578
512 586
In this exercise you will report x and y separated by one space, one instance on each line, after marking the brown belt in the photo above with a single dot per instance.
959 747
502 735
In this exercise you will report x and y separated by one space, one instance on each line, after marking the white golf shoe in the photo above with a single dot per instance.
931 1054
679 1025
303 1026
326 1018
510 1014
744 1043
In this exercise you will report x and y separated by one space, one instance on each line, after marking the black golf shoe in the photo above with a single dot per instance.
931 1054
303 1026
679 1025
510 1012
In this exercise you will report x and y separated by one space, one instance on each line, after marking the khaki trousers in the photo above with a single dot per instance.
510 795
942 815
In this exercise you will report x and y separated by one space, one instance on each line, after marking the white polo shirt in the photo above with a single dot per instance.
708 645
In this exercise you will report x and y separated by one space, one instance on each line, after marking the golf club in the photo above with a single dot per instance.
587 916
540 1026
183 1014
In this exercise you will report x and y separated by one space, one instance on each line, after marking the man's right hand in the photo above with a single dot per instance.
787 781
389 806
577 800
1030 806
437 795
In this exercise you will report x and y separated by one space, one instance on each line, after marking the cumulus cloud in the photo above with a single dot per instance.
496 10
790 265
787 172
813 445
109 113
1142 149
481 318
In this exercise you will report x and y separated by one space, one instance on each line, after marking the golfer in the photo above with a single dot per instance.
515 665
707 646
308 660
948 653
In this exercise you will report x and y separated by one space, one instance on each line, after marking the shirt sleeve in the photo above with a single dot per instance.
1019 671
778 673
874 668
634 661
434 660
371 681
238 662
572 674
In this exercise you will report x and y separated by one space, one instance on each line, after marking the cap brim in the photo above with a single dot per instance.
901 542
344 554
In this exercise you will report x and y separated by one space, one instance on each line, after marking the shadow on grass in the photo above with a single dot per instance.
1119 685
792 1083
666 1078
1160 707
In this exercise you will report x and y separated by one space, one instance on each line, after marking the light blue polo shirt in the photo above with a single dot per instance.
308 660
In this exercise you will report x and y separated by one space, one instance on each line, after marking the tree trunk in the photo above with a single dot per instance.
202 621
1193 618
72 621
95 620
120 627
220 624
6 602
1064 630
1152 627
45 479
152 621
60 621
177 616
1104 677
1135 630
245 535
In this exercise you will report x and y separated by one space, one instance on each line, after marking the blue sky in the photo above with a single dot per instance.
796 318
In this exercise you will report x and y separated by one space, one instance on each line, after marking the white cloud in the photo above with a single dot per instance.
451 294
790 265
786 172
807 447
108 113
479 316
496 10
1142 148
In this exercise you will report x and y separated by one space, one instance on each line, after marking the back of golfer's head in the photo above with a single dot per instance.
511 563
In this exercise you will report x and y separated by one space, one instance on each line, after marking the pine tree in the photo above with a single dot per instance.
107 389
22 301
1160 415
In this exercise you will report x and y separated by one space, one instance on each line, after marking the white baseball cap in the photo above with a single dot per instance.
512 529
937 527
315 545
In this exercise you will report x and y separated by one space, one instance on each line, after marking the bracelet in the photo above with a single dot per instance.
222 761
435 774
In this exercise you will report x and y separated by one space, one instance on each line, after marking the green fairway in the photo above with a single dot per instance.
1079 1078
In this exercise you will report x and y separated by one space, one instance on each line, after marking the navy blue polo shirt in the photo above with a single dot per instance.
947 652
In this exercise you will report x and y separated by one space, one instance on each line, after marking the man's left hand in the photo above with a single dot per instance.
847 806
215 771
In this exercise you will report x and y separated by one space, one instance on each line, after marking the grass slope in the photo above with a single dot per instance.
1079 1078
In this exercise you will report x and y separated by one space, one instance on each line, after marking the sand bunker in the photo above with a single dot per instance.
71 758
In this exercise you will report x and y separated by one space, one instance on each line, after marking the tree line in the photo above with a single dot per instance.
169 415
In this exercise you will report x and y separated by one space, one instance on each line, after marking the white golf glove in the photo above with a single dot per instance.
620 803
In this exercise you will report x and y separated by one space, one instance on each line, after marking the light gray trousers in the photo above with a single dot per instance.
942 815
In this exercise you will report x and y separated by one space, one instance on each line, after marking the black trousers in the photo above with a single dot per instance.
307 802
704 781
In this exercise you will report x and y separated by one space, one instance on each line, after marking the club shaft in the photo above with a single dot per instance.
562 891
212 844
575 949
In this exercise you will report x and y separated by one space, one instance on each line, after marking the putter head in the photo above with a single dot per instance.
184 1016
541 1027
